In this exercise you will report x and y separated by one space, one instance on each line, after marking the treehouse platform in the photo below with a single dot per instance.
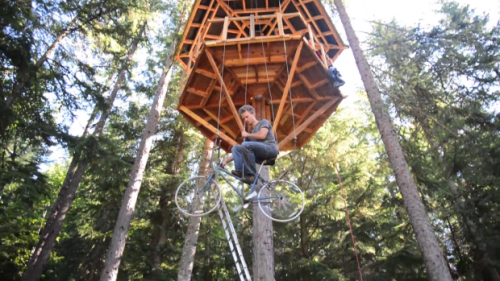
274 57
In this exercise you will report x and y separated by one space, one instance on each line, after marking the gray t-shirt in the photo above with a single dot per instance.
269 137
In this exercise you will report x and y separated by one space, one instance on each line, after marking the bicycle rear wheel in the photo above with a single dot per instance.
281 201
198 196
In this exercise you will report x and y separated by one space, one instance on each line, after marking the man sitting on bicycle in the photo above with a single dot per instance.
258 145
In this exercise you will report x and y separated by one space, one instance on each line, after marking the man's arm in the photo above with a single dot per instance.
260 135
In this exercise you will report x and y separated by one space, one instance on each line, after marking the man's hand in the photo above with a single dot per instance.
244 134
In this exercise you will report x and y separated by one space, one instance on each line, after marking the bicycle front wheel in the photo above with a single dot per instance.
281 201
198 196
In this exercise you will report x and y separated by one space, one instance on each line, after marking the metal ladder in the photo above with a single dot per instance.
232 239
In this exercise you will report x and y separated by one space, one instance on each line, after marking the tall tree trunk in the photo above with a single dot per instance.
160 232
427 241
193 230
73 178
120 233
263 239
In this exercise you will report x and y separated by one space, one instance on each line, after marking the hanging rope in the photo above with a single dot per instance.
290 88
336 166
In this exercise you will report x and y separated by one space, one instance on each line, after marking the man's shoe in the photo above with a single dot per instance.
248 179
236 173
251 195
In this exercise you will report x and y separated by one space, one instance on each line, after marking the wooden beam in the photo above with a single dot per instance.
224 89
252 25
225 127
231 13
196 92
257 39
320 83
254 61
209 91
306 66
279 19
308 121
205 73
206 124
239 52
287 87
224 29
295 100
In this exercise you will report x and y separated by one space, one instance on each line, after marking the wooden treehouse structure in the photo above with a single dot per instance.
272 54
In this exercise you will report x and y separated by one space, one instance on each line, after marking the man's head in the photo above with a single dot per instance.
247 113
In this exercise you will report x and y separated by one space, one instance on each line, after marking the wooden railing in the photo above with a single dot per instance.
277 27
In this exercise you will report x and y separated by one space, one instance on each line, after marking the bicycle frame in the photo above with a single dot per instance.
221 171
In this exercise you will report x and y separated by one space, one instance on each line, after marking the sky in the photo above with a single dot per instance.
409 13
361 12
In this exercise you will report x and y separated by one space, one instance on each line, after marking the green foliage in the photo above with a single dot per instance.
441 85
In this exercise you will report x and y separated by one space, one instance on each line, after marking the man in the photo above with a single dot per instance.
258 145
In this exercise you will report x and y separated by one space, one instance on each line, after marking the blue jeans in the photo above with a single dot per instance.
246 155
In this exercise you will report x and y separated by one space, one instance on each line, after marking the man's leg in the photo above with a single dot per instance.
237 151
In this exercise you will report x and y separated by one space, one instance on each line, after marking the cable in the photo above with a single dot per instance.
347 214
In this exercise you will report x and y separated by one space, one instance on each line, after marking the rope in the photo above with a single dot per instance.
347 215
290 88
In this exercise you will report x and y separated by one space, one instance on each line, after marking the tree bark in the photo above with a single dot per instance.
263 239
437 269
73 178
127 208
193 230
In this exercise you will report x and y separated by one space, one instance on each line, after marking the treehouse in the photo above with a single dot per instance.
271 54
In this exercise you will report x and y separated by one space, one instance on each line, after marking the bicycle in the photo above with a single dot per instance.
279 200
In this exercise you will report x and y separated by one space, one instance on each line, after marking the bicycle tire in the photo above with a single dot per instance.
284 203
193 193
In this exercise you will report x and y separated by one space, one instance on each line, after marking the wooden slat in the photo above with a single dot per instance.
225 127
224 89
308 121
207 125
287 86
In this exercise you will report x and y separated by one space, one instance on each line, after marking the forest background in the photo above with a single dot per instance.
77 80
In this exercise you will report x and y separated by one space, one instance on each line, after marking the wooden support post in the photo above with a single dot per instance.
224 29
279 19
252 26
224 89
304 125
287 87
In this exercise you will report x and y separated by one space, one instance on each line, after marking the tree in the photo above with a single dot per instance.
429 246
193 229
74 175
446 92
120 232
